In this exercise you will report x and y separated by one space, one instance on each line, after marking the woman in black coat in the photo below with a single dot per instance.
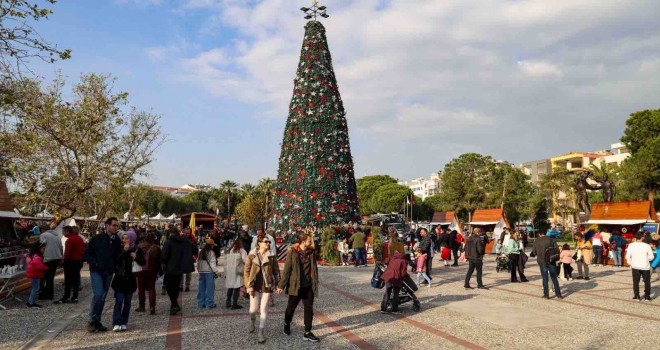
124 282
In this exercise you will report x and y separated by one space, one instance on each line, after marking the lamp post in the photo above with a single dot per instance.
314 11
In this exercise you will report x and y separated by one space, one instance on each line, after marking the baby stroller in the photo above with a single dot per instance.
502 261
407 289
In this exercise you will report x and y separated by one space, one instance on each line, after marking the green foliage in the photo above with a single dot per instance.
366 188
378 244
642 169
389 198
641 128
438 202
466 182
250 211
77 154
20 41
421 211
329 252
315 180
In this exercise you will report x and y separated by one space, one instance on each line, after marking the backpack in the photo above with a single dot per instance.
376 280
551 254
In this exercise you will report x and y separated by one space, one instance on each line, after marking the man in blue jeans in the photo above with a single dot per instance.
547 264
100 254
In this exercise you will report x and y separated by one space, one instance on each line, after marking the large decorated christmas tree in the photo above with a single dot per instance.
315 182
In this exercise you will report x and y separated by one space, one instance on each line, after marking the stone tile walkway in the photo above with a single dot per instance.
598 313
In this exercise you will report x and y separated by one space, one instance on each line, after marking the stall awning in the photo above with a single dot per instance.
616 222
9 214
483 223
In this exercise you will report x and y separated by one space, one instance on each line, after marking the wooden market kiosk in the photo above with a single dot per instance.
490 221
627 218
207 220
447 220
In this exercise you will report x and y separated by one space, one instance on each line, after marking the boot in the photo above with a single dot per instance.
253 320
260 336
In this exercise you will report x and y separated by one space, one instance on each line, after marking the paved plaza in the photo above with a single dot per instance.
595 314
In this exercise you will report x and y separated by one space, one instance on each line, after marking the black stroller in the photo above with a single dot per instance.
502 261
407 290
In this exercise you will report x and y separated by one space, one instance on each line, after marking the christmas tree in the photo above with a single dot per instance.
315 182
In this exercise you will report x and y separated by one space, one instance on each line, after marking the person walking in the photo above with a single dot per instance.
455 242
300 281
101 253
177 259
639 255
426 244
146 279
207 275
234 264
358 239
547 255
474 253
35 272
187 233
584 257
261 274
124 282
52 258
421 268
513 249
393 277
566 258
597 246
72 262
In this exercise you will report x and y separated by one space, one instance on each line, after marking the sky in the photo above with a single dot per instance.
422 82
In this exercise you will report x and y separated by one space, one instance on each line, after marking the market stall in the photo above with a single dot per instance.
625 218
447 220
491 221
208 221
12 250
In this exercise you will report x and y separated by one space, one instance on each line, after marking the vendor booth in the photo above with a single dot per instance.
12 250
625 218
447 220
491 221
208 221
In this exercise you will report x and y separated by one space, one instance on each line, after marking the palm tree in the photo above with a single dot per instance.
214 205
267 187
558 182
229 187
248 189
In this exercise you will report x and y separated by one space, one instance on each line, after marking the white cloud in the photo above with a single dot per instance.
139 2
467 70
539 69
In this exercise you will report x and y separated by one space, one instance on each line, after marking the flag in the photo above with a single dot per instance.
412 199
192 224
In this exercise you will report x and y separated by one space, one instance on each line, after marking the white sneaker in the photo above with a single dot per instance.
123 327
116 328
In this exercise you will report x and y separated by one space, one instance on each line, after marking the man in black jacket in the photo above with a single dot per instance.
177 259
454 246
475 248
101 253
546 263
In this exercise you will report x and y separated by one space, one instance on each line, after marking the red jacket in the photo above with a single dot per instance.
35 267
396 269
74 248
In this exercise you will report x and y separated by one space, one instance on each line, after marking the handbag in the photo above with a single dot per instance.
376 280
244 293
215 274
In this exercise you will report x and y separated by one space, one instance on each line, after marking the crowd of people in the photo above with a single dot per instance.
127 261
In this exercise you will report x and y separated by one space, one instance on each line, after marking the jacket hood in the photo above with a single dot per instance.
177 238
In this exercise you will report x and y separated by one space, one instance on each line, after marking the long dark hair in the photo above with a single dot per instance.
204 253
236 246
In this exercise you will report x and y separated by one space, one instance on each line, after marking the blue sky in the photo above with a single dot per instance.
517 80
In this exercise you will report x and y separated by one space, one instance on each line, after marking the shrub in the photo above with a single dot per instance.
329 253
378 245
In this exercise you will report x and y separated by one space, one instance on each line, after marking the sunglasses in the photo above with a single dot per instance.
268 242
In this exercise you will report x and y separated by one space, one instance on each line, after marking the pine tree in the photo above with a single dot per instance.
315 182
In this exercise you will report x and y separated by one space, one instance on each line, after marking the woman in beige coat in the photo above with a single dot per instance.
261 276
234 265
584 260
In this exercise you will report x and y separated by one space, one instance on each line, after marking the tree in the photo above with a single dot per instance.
557 184
214 205
315 180
267 188
389 198
250 211
65 153
534 209
19 41
248 190
438 202
367 186
329 252
229 187
642 137
466 182
510 189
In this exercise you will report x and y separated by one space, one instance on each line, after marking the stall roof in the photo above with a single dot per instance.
442 218
488 217
199 217
623 213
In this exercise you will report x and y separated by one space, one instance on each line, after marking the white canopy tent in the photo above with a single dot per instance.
158 217
172 217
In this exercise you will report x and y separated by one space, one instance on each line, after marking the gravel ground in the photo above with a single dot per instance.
594 314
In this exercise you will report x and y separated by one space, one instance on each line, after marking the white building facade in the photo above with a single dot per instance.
424 187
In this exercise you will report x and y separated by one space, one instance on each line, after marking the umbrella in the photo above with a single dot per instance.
192 223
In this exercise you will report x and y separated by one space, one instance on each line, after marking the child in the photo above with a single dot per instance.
445 254
421 267
35 272
566 258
